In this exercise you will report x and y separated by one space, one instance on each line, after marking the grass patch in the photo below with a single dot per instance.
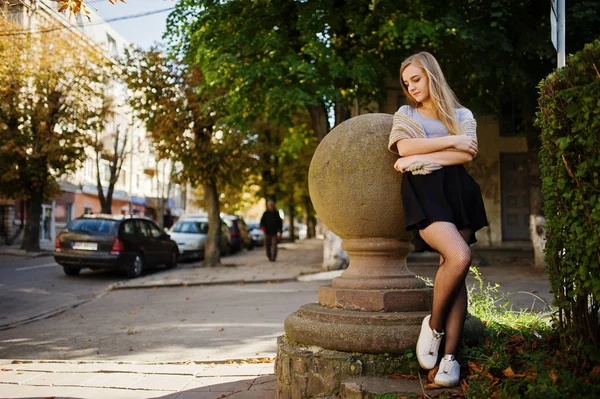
522 356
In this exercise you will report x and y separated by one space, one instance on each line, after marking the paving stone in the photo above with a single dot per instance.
264 383
114 380
106 393
61 379
37 366
219 384
44 392
253 395
16 377
12 390
234 369
162 382
201 395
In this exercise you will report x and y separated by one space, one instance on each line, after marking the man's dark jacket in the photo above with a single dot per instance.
271 222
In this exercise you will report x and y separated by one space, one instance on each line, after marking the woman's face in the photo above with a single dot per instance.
416 82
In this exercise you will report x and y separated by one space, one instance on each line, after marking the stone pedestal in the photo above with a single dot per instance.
377 305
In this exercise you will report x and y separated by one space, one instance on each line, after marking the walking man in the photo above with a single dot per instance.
272 225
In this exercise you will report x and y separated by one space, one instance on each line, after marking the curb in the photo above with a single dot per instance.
116 287
25 254
52 313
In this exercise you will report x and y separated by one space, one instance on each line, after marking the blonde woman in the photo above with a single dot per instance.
434 137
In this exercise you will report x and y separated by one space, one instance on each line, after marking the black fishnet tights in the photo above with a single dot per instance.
449 308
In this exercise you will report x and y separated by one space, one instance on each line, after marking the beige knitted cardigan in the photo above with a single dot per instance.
406 127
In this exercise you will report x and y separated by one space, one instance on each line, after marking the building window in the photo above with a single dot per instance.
105 168
89 169
69 212
87 210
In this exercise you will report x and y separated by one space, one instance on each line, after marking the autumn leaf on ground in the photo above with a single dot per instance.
475 367
596 370
464 385
553 376
221 329
131 331
187 298
131 349
508 372
432 373
431 386
403 376
131 312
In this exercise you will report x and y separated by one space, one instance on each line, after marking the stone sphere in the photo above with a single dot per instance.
352 182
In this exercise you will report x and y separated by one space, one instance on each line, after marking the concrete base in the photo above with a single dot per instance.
398 300
307 372
354 331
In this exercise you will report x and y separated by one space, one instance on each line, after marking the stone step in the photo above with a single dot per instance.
372 387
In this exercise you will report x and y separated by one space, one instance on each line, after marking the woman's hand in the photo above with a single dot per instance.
466 144
404 162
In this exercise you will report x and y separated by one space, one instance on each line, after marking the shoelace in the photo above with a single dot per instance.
436 337
447 367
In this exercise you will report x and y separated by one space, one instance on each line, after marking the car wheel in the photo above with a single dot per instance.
173 262
135 270
71 271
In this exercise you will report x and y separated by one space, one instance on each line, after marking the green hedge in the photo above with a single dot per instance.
569 117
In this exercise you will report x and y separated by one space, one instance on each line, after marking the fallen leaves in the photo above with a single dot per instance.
403 376
508 372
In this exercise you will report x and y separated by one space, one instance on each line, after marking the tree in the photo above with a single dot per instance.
74 7
50 90
168 97
115 156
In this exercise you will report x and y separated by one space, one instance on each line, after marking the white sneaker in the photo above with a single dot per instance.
449 373
428 345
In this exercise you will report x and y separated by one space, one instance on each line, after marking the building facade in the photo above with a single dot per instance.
144 185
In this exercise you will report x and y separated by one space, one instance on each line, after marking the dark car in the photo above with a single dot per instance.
126 243
240 235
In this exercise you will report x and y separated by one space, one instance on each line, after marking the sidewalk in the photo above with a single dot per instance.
46 249
109 380
237 379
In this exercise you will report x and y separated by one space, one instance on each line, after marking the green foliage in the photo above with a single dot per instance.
569 118
522 356
49 99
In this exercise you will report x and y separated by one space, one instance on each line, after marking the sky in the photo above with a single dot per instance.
143 31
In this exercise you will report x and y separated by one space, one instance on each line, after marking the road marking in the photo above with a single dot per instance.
20 269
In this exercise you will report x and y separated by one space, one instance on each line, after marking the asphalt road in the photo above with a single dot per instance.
33 288
165 325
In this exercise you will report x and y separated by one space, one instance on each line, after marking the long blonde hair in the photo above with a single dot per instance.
443 98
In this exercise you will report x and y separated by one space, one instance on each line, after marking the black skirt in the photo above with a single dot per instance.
449 194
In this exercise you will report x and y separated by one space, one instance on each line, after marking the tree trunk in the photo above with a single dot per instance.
309 218
318 117
212 253
31 236
291 224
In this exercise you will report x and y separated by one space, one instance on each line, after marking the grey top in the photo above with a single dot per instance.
435 127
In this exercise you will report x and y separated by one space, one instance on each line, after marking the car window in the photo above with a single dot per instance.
191 227
129 227
143 230
93 226
154 230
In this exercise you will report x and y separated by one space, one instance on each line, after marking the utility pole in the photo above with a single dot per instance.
557 23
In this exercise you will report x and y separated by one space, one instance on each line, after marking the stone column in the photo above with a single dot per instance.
376 306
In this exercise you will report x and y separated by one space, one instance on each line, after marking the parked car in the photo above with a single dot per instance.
128 243
258 236
240 236
190 234
300 231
